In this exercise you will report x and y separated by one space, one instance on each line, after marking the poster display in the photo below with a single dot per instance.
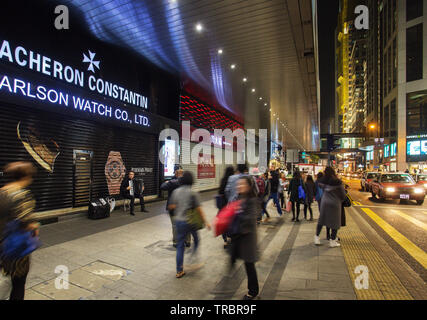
170 158
206 166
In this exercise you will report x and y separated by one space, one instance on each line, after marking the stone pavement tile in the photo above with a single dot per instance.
107 294
334 277
88 280
136 291
287 284
332 286
33 280
105 270
324 250
141 278
30 294
72 293
327 295
305 294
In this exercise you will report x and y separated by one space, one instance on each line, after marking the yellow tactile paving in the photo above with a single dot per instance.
417 253
358 250
417 222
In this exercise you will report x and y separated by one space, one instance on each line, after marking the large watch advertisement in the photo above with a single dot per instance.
115 171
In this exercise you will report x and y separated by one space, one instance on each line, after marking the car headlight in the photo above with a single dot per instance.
390 189
418 190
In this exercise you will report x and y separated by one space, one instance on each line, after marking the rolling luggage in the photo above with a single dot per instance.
99 209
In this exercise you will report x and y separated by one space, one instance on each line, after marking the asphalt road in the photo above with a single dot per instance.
402 224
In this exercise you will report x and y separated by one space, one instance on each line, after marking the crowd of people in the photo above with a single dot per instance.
252 191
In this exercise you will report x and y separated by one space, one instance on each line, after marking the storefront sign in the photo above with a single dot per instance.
206 166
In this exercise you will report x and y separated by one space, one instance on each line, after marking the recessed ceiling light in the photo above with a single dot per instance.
265 104
244 79
219 51
233 66
270 110
199 27
253 90
260 98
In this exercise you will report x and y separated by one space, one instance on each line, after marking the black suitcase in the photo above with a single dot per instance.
99 209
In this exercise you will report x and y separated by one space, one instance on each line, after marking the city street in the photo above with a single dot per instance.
402 225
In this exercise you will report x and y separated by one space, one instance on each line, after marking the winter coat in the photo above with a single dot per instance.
244 237
331 204
267 190
274 182
310 190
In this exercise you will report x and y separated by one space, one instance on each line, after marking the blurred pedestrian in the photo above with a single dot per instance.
266 196
294 195
244 234
260 182
331 206
282 186
274 192
319 191
310 190
170 186
231 187
222 198
17 204
182 200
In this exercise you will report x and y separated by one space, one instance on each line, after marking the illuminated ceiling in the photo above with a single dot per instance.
269 41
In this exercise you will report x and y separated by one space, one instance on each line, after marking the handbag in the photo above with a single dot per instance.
289 206
17 243
193 217
301 192
225 217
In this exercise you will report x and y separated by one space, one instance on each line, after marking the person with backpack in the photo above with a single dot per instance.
296 194
17 205
183 200
310 190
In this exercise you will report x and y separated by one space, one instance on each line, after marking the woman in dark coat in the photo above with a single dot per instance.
229 171
293 194
244 234
310 190
331 206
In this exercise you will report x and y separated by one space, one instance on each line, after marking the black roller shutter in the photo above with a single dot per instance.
54 133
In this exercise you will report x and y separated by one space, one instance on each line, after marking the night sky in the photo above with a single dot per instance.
327 20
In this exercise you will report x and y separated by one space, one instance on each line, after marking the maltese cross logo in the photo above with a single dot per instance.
91 61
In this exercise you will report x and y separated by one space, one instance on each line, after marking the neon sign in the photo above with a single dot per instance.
55 69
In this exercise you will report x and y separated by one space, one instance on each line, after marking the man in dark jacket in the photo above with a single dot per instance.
170 186
131 188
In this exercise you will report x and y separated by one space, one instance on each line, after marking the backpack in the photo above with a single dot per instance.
301 192
261 186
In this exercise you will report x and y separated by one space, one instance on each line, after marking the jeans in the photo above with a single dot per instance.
18 288
282 199
174 233
253 288
333 235
183 229
132 203
264 209
275 197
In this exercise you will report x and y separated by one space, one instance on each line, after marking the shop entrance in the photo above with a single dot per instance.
82 177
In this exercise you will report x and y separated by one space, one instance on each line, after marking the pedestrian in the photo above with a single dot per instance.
310 190
244 234
274 192
319 191
182 200
331 206
294 195
282 186
260 182
17 203
231 187
170 186
222 200
266 196
140 193
130 189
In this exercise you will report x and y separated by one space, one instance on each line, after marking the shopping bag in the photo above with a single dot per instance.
225 217
289 206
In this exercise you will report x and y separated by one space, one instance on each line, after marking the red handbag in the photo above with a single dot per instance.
225 217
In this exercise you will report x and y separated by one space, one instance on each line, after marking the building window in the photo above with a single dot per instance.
386 122
394 64
414 53
416 109
414 9
393 118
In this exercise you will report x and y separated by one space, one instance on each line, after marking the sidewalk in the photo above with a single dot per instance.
127 257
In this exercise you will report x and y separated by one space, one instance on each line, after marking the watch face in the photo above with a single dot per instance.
114 172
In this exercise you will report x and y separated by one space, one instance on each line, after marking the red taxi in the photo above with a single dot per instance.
367 179
397 186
